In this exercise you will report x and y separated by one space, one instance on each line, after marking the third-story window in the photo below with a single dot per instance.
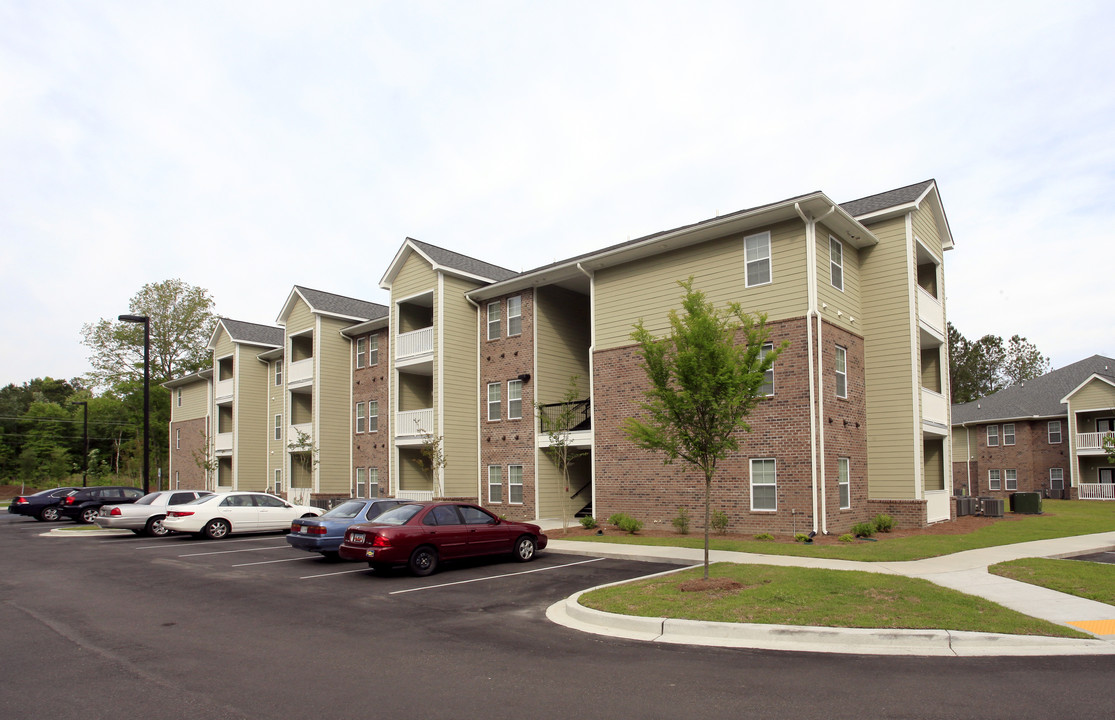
764 485
767 387
278 427
361 351
1054 428
756 254
493 402
495 484
515 484
360 417
993 480
836 263
514 315
841 372
514 399
373 416
493 320
844 479
1008 434
279 372
992 436
373 350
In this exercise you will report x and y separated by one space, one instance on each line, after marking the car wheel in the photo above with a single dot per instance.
155 528
525 547
216 529
89 514
48 514
423 561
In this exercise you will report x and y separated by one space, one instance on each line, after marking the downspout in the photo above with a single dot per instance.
591 381
479 384
968 456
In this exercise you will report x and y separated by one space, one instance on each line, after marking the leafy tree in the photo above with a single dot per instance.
705 377
431 456
558 426
981 367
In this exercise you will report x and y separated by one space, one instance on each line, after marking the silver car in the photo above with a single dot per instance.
145 516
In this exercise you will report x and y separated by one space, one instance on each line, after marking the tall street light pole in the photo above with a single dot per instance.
84 440
146 395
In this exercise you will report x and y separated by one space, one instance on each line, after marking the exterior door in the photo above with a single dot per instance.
1107 476
240 511
273 513
449 533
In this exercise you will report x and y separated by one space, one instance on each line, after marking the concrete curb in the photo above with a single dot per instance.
70 533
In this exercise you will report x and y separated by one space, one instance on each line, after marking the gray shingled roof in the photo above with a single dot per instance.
464 263
884 200
253 333
1038 397
340 305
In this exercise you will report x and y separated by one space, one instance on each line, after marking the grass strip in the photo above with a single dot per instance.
1062 518
1094 581
826 598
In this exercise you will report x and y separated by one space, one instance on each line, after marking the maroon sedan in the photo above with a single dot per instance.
420 535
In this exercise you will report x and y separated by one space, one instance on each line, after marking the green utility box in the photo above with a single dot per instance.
1026 503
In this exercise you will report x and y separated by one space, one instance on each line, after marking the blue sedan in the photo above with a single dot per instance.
325 534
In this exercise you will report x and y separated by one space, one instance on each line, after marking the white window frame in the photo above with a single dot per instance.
514 399
1010 479
994 480
361 352
840 366
751 479
1049 432
494 317
373 350
278 373
361 423
844 482
768 376
373 482
514 480
495 472
279 426
754 256
177 438
278 481
1008 434
495 404
992 435
361 483
178 396
373 416
177 483
1059 477
514 315
836 263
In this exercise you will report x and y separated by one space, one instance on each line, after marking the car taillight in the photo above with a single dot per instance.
115 511
180 513
70 500
380 541
316 530
20 500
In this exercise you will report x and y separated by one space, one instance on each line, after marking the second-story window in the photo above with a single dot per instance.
278 372
278 427
841 372
756 255
177 439
373 416
992 436
361 351
494 402
1054 431
514 399
178 396
514 315
836 263
360 417
1008 434
493 320
768 377
373 350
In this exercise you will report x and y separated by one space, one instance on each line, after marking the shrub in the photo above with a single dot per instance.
846 537
863 529
883 523
588 523
765 537
801 537
718 521
616 519
630 525
681 522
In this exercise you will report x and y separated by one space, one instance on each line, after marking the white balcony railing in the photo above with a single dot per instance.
419 495
307 429
1092 441
223 389
934 407
930 312
412 422
414 343
301 371
223 442
1097 491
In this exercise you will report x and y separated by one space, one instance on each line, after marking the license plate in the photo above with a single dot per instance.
371 553
357 537
303 529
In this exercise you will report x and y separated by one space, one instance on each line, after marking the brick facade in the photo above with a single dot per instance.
508 441
1031 456
370 383
187 444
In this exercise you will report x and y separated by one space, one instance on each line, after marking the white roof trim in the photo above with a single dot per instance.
1078 388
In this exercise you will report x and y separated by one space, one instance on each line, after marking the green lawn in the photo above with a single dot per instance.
827 598
1095 581
1062 518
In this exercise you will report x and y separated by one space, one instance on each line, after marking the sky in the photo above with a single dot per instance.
246 147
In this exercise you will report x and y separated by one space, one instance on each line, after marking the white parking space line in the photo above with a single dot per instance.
270 562
342 572
226 552
201 542
496 577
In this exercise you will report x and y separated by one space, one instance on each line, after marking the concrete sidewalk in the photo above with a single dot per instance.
965 571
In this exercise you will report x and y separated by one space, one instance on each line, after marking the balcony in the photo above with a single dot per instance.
410 423
301 372
934 408
292 436
1091 443
580 423
222 444
415 346
222 391
931 313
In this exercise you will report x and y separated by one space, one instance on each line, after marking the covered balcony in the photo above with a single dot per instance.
414 338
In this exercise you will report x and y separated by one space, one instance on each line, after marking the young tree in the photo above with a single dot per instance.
705 377
558 426
431 456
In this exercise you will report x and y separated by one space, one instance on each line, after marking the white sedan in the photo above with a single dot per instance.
216 516
145 516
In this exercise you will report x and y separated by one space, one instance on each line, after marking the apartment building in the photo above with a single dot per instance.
1042 435
190 454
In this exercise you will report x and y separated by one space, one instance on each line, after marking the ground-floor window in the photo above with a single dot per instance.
1012 479
993 480
360 481
515 484
1056 478
278 481
373 482
495 484
844 480
764 485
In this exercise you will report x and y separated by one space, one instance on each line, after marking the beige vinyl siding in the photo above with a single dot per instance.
892 433
414 278
647 289
931 369
299 319
925 229
842 306
961 452
332 393
460 391
411 474
564 333
1096 394
550 484
414 394
195 402
250 418
222 347
934 461
276 405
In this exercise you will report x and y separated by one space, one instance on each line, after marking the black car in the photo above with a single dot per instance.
83 504
43 505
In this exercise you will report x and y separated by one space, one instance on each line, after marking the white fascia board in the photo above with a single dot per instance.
281 320
1078 388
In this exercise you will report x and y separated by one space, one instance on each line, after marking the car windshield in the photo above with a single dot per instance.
147 499
346 510
398 515
202 500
